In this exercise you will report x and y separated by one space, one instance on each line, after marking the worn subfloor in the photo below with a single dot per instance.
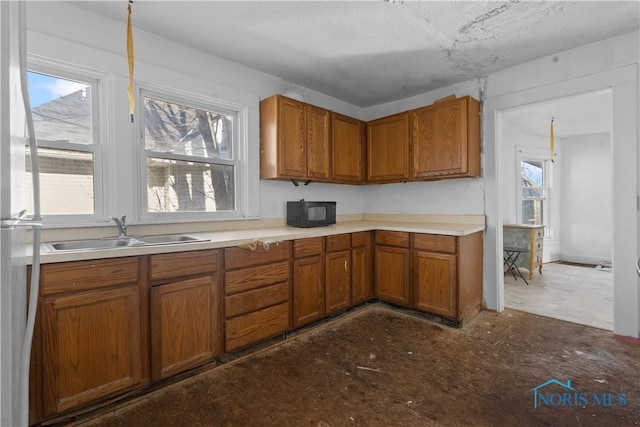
379 366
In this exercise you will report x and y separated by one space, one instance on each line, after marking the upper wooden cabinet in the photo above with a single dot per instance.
347 149
445 140
294 140
388 149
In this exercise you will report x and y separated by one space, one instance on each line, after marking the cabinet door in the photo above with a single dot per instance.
440 143
337 281
388 149
292 128
392 274
347 149
318 137
435 283
308 290
361 264
92 346
185 325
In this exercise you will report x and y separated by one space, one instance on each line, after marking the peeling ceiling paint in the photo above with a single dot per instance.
368 53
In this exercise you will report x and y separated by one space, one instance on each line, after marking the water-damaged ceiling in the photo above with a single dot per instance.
368 53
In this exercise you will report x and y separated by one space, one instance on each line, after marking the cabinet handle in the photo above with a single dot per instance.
345 265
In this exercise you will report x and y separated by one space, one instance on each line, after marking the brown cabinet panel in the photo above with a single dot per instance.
435 242
361 267
255 277
255 299
91 346
388 149
337 281
254 327
338 242
235 258
318 140
392 238
435 283
308 290
180 264
392 274
445 139
78 276
348 149
185 325
307 247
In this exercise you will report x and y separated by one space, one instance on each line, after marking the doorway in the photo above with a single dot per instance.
568 193
622 82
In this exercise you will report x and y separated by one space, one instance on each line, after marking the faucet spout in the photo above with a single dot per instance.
121 223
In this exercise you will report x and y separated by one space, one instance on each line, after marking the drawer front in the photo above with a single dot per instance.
339 242
539 233
359 239
255 277
435 243
256 299
235 258
307 247
180 264
83 275
253 327
392 238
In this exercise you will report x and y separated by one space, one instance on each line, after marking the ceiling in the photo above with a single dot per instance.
367 53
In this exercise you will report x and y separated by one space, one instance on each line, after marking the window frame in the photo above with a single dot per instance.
100 84
538 155
239 153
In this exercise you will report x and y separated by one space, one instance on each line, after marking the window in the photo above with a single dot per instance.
534 175
65 116
190 157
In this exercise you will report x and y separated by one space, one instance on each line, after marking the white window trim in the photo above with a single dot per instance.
541 155
100 85
240 155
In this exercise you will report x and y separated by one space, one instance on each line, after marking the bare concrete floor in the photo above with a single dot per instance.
382 367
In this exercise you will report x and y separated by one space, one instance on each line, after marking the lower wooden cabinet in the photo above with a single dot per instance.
337 281
257 294
392 266
308 280
185 311
447 272
361 264
93 344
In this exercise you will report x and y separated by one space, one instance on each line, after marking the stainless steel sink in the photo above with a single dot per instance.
96 244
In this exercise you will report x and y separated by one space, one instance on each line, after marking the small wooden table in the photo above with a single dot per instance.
525 236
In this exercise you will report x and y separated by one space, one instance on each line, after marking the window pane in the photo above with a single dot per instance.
532 212
61 109
66 182
178 129
176 186
533 192
532 173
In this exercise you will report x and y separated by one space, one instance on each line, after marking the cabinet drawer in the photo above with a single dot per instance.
338 242
83 275
255 277
307 247
359 239
539 233
256 299
253 327
392 238
180 264
435 242
235 258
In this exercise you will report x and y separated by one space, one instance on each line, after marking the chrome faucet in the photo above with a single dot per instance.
121 223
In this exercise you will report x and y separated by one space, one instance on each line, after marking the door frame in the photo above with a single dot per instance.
623 83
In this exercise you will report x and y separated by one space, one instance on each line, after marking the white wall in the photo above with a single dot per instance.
586 229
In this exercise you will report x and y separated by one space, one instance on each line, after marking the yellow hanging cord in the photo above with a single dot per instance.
130 57
552 141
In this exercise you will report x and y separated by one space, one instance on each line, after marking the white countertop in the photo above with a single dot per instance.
222 239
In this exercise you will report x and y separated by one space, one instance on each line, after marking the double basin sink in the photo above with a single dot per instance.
120 242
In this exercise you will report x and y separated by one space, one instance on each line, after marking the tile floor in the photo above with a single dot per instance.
577 294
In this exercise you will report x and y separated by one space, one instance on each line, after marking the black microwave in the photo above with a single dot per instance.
311 214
